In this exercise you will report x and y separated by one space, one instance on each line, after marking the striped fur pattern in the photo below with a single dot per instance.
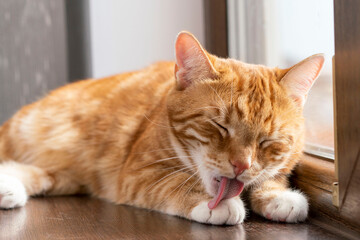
159 140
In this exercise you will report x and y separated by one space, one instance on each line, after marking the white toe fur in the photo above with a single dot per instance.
289 206
12 192
229 211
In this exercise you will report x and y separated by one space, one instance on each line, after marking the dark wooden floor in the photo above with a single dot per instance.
82 217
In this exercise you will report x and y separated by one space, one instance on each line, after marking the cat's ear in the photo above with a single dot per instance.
300 78
192 62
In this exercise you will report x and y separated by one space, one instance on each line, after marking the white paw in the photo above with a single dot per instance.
12 192
230 211
289 206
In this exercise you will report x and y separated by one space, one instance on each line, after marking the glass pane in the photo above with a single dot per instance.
282 33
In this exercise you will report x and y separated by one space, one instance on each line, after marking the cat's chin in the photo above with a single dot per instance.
212 185
215 183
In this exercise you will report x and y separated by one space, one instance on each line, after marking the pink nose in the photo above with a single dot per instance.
240 167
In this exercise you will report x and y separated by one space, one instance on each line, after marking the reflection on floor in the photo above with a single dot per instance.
82 217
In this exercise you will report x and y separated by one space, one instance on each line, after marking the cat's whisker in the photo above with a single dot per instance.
206 108
261 178
157 150
157 124
167 180
168 175
165 159
160 160
178 188
189 189
183 184
222 100
182 165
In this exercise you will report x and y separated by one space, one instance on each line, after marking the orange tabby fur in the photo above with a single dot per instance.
136 138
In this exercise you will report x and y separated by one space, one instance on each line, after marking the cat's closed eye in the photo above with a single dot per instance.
223 130
264 143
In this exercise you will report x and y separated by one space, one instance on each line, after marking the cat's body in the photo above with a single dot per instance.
89 130
155 139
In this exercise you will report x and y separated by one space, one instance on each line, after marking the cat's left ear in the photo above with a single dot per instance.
300 78
192 62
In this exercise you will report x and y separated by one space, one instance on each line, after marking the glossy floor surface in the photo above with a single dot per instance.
82 217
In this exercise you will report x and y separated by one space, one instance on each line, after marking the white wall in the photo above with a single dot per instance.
289 30
130 34
306 27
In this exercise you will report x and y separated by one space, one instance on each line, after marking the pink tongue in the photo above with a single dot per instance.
228 188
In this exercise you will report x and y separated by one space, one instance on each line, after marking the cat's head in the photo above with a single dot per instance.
237 120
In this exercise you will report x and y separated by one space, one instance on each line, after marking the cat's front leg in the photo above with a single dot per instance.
273 200
186 197
229 211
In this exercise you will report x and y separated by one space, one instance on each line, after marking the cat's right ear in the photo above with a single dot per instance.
300 78
192 62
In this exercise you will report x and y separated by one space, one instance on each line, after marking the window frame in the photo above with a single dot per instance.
346 101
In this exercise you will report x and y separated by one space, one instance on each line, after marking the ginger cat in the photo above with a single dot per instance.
182 138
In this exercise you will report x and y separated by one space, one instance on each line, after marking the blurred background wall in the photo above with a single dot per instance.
32 51
45 44
127 35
